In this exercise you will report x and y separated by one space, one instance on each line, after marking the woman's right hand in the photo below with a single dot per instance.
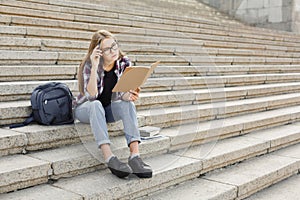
95 57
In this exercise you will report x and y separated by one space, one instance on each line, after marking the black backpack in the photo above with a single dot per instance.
51 105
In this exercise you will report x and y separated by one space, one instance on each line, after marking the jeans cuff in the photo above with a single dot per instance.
133 140
103 142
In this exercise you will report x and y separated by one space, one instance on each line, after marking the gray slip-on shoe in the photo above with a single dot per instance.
139 168
118 168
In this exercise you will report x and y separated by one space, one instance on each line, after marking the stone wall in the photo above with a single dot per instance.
276 14
296 17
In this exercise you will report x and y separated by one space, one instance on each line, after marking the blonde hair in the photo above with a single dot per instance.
97 38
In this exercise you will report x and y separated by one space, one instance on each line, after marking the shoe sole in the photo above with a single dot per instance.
143 175
118 173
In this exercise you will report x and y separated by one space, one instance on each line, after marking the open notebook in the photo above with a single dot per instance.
133 77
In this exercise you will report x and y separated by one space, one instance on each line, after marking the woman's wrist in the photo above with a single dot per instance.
94 68
126 96
130 96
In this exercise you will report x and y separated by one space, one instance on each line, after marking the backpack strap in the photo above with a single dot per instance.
25 123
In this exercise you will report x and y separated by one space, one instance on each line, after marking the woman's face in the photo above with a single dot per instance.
110 50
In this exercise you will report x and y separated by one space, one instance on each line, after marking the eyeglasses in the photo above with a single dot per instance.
108 50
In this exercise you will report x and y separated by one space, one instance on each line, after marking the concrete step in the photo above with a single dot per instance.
222 50
206 38
138 48
153 36
129 6
39 32
185 168
167 37
218 70
21 171
87 24
128 9
82 158
37 72
221 44
144 13
12 142
150 100
287 159
60 58
226 70
147 12
66 72
12 9
173 168
252 143
253 53
138 37
241 180
191 189
286 189
163 5
37 137
65 164
177 80
73 17
73 35
189 83
240 40
21 90
124 11
17 111
186 135
11 57
154 14
46 192
210 60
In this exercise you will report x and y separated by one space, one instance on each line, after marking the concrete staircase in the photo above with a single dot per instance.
225 95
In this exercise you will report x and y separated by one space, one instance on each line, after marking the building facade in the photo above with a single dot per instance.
275 14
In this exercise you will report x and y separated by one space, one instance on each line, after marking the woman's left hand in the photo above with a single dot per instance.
132 95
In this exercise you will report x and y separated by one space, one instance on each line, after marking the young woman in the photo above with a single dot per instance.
97 104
